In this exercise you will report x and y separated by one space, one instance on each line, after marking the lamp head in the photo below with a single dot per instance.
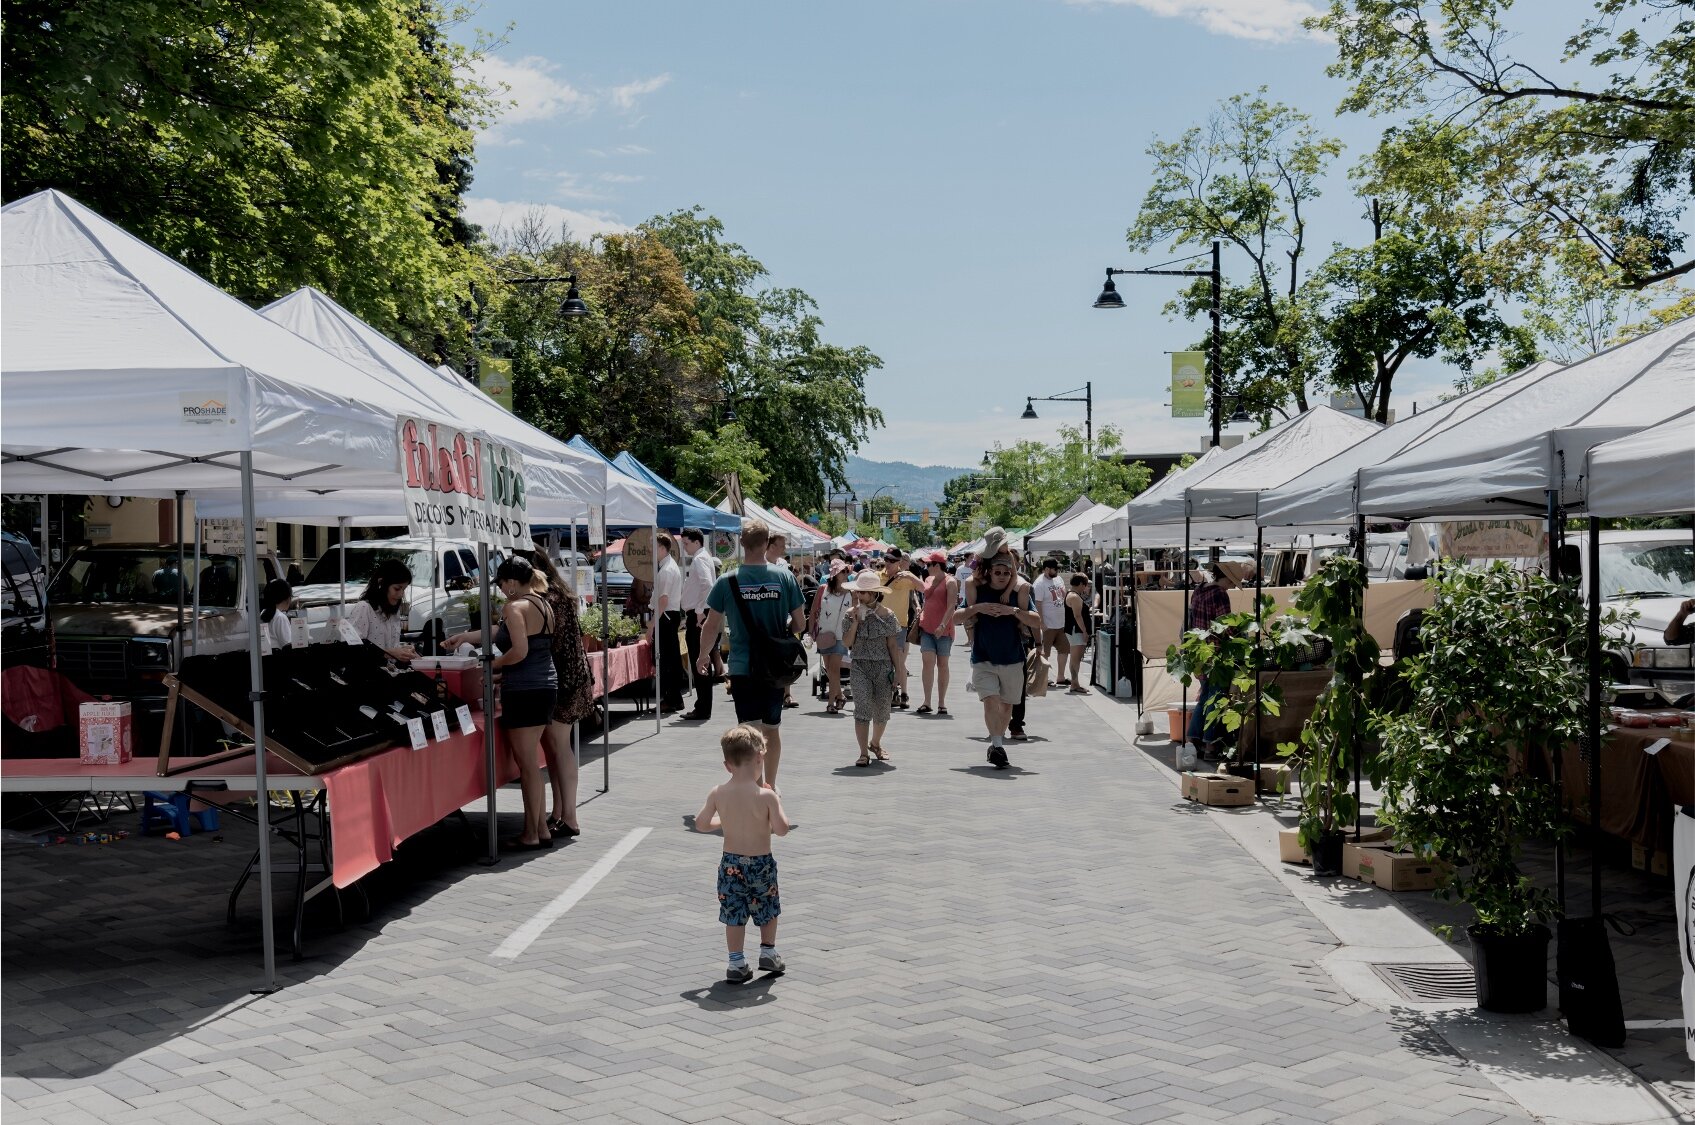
1029 410
573 307
1109 298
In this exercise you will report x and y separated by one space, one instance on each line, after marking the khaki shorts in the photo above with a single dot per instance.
1055 638
1004 681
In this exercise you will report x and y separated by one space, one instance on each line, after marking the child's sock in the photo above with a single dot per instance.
738 959
767 950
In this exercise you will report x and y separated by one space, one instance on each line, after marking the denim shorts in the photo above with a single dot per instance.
837 649
940 645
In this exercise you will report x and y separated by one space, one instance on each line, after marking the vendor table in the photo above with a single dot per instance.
625 665
365 808
1640 793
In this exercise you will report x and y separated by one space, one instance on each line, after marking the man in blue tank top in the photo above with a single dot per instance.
998 604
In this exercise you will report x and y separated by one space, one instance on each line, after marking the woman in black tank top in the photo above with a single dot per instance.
1078 619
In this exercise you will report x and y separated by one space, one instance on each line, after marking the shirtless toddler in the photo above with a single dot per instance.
750 815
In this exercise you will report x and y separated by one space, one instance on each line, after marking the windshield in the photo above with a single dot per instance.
363 561
613 564
144 575
1648 569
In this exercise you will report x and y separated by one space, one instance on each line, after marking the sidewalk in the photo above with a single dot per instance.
1063 941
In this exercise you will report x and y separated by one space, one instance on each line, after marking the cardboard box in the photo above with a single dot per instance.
1218 789
105 733
1289 848
1276 777
1351 853
1401 871
1655 863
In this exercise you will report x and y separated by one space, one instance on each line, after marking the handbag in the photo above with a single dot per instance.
776 661
1035 674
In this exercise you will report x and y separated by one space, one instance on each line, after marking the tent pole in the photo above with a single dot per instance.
1137 662
256 672
1558 753
1365 576
1592 719
435 582
176 647
1183 627
341 553
487 607
653 608
1259 642
605 678
194 622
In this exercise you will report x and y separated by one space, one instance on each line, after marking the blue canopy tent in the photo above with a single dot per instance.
676 508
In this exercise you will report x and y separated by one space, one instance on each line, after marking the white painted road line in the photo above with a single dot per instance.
521 938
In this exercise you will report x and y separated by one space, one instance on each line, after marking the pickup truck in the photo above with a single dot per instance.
114 613
1651 572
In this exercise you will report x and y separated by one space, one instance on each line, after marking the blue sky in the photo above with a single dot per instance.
947 178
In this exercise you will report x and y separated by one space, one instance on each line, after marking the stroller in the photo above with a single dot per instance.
821 679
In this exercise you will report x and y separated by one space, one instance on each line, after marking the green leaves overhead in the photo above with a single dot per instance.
267 146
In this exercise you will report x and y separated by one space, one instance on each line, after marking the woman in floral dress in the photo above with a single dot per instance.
576 698
871 638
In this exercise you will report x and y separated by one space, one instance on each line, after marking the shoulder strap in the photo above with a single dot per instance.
741 606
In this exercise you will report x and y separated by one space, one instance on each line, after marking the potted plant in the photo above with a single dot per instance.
1229 652
1497 687
1334 601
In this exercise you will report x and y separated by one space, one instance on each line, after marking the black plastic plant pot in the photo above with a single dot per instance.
1512 972
1327 854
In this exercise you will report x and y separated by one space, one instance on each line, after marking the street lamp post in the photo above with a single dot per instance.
1109 299
1088 401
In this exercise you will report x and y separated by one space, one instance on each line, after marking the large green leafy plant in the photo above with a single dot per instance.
1230 650
1334 601
1500 682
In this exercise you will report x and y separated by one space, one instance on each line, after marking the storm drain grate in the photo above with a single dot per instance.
1430 982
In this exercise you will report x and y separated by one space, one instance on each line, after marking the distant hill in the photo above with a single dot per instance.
917 486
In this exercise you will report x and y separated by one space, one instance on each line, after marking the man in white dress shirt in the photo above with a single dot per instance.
703 572
667 619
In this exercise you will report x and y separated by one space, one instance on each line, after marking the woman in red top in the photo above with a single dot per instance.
935 624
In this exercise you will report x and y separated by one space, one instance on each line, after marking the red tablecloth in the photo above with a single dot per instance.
625 665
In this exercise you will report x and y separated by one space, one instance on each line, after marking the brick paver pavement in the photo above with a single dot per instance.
1058 942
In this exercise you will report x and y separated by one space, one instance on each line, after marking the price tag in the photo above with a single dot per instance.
297 630
344 628
438 720
415 728
467 725
264 640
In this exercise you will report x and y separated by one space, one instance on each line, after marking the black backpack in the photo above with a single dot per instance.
777 661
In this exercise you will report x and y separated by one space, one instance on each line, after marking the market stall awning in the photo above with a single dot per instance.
801 536
1504 459
1325 493
1115 528
1065 534
1649 473
562 483
126 372
629 502
676 508
1312 438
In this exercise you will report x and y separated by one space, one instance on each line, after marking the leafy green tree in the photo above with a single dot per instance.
266 146
1025 482
801 398
706 461
1595 149
1247 178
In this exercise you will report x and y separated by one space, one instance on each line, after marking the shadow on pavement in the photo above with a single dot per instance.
723 996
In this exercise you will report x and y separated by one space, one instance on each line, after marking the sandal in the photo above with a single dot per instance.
864 760
941 710
923 709
1076 691
881 756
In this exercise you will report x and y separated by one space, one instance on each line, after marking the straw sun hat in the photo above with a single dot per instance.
866 583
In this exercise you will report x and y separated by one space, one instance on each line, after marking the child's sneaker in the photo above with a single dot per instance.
739 973
771 962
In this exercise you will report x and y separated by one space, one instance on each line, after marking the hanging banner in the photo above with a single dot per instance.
597 527
495 373
1188 385
1479 540
460 486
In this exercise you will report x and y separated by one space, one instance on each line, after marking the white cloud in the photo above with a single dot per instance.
497 217
1270 20
620 178
530 90
625 97
567 185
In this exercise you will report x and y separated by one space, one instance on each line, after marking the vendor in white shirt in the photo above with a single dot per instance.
376 616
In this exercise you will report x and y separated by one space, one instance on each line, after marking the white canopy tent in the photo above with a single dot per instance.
1649 473
1325 493
806 538
1312 438
1113 530
123 370
1053 519
1507 458
1065 534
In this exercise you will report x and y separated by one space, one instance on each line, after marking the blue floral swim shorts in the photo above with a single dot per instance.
747 888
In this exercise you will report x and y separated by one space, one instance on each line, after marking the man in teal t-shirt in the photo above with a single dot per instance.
774 603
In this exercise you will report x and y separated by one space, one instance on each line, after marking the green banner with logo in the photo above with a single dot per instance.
1188 385
496 376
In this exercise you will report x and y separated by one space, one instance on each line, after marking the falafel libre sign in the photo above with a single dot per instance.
460 486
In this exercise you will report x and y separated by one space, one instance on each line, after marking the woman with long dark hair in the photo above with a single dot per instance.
575 703
376 615
276 598
529 686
